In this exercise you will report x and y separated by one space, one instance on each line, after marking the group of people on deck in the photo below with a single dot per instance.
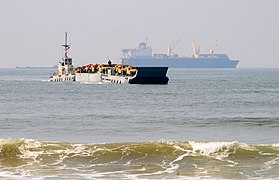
117 68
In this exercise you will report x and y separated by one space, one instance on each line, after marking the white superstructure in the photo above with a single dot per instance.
141 52
65 71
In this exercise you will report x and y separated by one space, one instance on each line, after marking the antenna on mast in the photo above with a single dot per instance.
66 45
65 38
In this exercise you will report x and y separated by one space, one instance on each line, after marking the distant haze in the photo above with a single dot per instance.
32 31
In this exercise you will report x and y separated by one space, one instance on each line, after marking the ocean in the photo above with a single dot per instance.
205 124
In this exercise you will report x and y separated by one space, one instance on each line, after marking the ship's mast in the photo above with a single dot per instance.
66 46
146 39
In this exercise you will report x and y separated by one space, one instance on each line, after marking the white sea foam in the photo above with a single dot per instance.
217 150
30 144
174 165
276 145
208 148
268 165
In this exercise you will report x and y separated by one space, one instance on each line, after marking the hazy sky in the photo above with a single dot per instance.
32 31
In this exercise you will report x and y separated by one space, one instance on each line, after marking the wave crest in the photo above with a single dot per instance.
161 157
28 148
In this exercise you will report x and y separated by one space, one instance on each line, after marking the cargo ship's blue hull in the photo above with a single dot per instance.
181 62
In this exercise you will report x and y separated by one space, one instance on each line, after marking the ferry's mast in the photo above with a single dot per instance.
66 46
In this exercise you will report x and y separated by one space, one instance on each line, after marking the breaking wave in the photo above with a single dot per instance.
167 159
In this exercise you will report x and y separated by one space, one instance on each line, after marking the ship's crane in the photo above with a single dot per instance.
213 48
196 49
172 46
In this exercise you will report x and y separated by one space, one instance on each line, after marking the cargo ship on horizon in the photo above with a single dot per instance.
143 57
37 67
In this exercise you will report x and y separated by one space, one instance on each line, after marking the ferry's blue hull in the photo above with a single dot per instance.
181 62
